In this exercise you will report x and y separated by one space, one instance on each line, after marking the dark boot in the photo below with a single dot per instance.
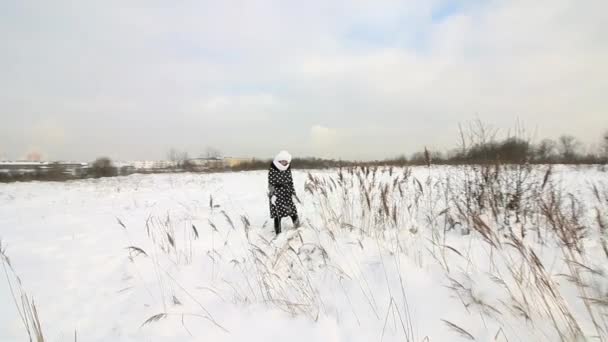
296 220
277 225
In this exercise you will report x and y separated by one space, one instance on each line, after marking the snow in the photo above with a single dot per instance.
339 277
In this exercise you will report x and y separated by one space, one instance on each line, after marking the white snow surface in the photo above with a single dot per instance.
325 281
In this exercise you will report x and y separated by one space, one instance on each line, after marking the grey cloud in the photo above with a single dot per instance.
252 78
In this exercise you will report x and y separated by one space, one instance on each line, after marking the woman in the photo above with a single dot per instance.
281 191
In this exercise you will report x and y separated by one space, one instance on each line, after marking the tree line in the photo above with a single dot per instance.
478 144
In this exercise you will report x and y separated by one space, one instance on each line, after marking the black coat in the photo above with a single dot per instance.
280 184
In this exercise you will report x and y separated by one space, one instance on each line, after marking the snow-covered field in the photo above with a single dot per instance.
420 254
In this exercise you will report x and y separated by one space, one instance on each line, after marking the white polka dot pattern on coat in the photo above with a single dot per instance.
280 184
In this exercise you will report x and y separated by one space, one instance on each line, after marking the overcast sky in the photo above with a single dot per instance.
345 78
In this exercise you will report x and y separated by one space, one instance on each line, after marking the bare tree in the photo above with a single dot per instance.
545 151
103 167
212 152
173 155
605 144
178 158
568 147
478 135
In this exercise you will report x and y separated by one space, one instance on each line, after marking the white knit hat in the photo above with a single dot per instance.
283 155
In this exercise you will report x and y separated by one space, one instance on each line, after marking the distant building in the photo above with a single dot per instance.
200 164
124 167
146 165
74 169
233 161
21 166
211 163
24 167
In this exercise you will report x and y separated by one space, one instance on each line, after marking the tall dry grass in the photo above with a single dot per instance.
515 210
517 215
24 303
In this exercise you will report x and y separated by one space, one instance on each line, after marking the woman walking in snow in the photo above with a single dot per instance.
281 191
